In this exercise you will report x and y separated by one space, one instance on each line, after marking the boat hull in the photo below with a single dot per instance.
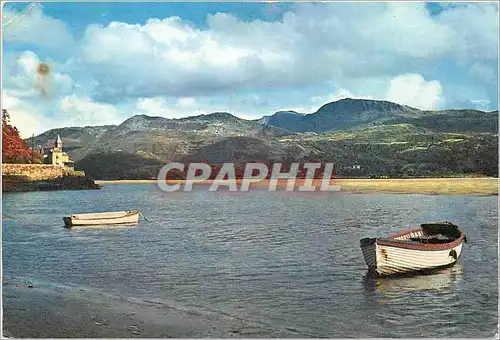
390 260
398 255
112 218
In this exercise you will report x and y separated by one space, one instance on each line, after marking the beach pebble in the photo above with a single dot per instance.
134 329
98 321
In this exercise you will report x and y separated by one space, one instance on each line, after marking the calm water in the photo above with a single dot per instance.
287 261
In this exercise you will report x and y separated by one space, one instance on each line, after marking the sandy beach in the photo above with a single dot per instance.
42 312
431 186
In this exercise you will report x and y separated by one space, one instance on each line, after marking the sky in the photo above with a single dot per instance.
110 61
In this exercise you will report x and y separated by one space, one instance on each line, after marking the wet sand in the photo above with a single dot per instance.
60 313
430 186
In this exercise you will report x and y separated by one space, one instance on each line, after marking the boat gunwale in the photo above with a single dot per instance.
391 242
83 217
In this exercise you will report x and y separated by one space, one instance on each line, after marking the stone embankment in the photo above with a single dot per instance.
44 177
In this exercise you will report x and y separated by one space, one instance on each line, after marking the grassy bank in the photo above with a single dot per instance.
435 186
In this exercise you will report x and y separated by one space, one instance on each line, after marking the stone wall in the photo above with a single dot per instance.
38 172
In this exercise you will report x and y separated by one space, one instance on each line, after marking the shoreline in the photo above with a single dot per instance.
67 182
56 312
429 186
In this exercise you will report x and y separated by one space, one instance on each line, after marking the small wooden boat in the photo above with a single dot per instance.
104 218
432 246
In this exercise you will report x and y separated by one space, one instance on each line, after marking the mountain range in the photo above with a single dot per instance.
355 113
383 138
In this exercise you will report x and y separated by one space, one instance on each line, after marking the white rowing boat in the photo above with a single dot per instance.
430 247
104 218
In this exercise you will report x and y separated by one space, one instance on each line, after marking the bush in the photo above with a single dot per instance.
14 150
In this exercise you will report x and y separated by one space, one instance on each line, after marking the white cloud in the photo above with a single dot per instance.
27 118
414 90
482 104
171 57
476 30
168 67
25 81
34 116
154 107
34 27
312 44
83 111
411 31
170 107
186 102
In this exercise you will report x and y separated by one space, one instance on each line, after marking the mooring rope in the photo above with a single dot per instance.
140 213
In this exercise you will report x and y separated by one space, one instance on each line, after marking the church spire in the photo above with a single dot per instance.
58 143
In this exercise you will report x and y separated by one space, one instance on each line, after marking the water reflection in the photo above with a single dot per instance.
402 300
444 279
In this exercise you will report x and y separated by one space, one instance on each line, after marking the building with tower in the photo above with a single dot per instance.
56 155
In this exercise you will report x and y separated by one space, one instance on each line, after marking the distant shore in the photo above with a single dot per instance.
431 186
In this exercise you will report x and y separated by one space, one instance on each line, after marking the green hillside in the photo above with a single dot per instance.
364 138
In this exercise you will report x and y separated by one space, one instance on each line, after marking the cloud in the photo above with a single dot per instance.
476 30
404 30
314 43
24 80
24 116
483 104
37 103
84 111
406 89
36 116
154 107
33 27
169 57
309 54
414 90
486 72
186 102
170 107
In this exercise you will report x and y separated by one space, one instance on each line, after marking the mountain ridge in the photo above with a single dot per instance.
341 131
277 113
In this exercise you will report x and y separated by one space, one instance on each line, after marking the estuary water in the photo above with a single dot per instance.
287 263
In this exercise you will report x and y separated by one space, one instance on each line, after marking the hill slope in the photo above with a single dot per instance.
357 113
155 136
362 138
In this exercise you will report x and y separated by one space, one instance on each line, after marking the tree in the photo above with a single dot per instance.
14 150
